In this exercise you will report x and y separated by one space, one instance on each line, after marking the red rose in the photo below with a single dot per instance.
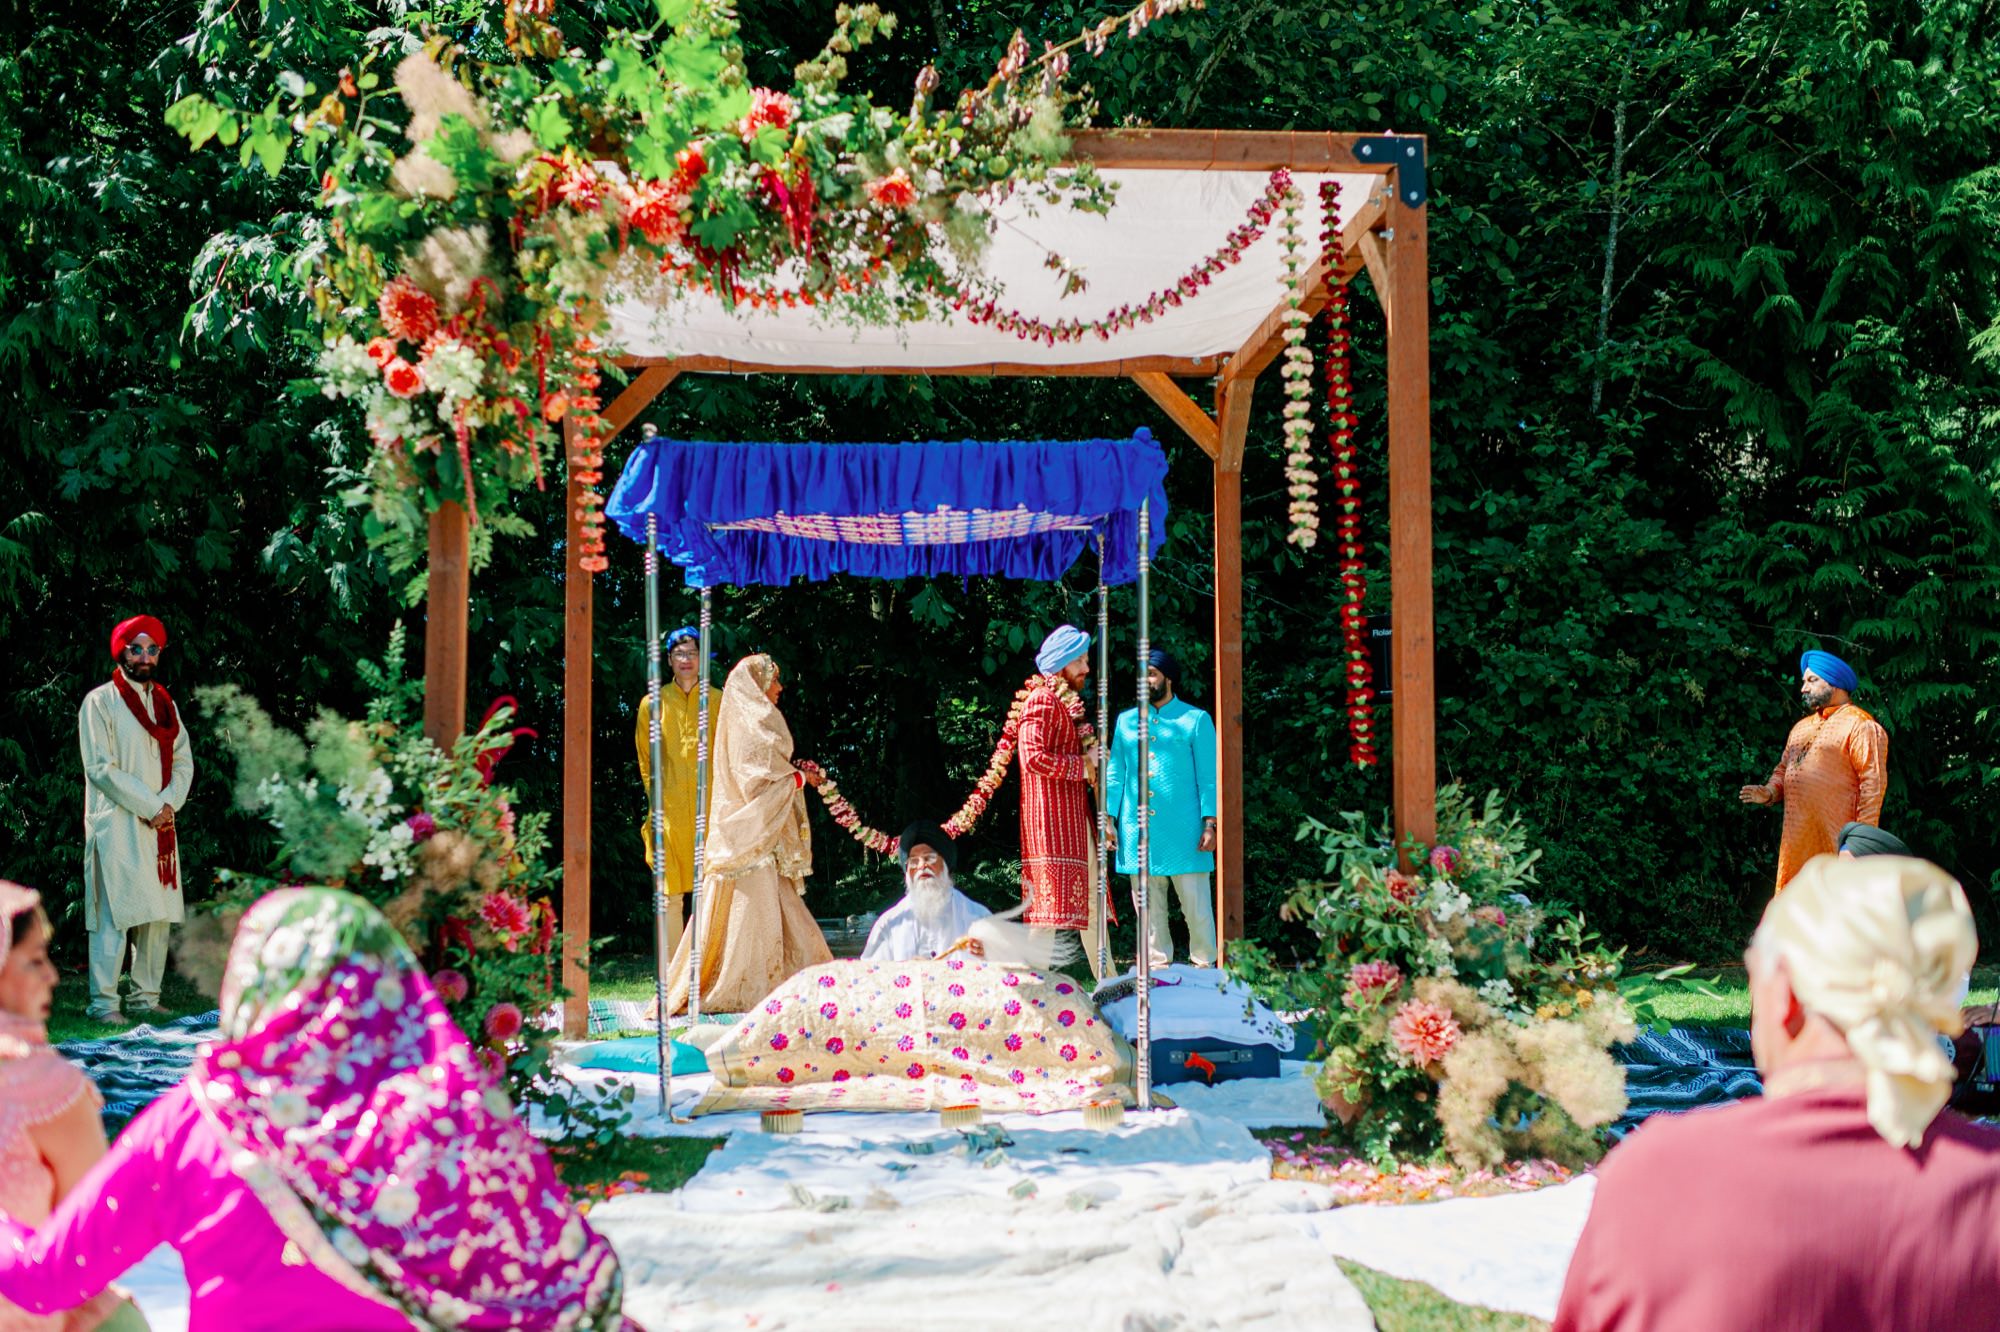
402 379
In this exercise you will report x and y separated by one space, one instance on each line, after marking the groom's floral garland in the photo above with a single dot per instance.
961 823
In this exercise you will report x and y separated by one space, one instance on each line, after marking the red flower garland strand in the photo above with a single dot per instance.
1127 317
1340 423
960 823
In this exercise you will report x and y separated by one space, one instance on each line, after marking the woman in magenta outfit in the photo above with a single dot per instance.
337 1160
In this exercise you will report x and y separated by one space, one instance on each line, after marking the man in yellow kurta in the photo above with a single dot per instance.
137 769
1834 770
680 708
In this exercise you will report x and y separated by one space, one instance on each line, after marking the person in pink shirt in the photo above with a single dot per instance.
1846 1196
50 1133
338 1160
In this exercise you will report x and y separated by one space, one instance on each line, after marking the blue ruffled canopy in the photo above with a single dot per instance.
740 514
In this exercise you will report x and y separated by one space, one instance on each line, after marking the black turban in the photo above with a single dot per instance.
1865 839
925 833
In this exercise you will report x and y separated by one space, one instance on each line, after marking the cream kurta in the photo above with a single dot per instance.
121 771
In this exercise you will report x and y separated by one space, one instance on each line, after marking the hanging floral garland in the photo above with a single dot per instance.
1300 479
483 206
1127 317
961 823
1340 423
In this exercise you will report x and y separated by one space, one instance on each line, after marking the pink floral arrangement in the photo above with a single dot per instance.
1372 982
1423 1032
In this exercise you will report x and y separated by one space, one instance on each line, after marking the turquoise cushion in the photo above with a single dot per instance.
640 1054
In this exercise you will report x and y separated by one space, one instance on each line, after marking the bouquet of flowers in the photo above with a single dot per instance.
1456 1012
372 806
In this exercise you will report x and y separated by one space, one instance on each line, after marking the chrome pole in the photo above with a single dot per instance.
695 893
1104 814
657 795
1144 862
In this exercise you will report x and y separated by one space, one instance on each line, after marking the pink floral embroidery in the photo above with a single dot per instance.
906 1044
834 1045
956 965
1010 979
1065 1019
774 1008
902 1010
1014 1076
955 990
1065 989
960 1052
1013 1040
1012 1008
902 982
840 1075
784 1075
915 1070
957 1022
829 1011
1069 1052
826 982
780 1041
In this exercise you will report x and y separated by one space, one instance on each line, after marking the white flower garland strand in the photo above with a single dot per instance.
1301 482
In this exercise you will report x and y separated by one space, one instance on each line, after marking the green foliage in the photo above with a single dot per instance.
1773 427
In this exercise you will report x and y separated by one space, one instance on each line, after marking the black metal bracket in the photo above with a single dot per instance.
1405 152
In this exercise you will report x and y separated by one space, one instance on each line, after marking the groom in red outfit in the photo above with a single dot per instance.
1058 857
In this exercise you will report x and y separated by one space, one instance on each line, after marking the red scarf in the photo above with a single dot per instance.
164 726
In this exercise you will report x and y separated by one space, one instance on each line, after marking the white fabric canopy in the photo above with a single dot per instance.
1165 223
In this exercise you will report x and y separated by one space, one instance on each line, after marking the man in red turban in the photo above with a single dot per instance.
137 769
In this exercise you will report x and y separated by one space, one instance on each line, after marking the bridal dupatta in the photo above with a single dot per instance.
363 1120
757 808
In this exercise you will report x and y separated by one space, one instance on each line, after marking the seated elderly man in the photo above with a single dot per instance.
1846 1196
933 914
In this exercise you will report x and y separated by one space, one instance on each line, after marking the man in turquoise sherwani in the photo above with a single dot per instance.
1182 752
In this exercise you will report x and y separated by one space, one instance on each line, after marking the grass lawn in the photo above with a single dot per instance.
68 1023
1411 1306
625 1165
1728 1003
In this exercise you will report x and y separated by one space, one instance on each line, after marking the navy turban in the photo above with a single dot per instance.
1830 669
685 633
1163 661
1061 648
925 833
1864 839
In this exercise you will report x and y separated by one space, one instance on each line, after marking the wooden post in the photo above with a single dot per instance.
579 608
447 596
1232 417
579 655
1413 709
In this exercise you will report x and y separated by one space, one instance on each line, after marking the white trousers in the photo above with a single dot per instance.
1197 904
148 943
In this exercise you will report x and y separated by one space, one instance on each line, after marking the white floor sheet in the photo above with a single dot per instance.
877 1223
1506 1253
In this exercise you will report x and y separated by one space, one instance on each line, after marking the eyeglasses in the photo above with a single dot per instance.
133 649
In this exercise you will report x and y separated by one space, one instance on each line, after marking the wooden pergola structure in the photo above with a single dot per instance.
1386 234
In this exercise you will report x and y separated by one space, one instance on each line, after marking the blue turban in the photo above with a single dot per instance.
1830 669
1061 648
1163 661
683 634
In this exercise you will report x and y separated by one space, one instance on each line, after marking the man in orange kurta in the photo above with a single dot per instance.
1834 770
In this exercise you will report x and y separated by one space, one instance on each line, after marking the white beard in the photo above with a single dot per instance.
930 899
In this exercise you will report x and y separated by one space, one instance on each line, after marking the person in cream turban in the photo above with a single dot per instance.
1846 1195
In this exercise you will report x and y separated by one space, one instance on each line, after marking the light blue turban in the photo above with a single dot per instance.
1830 669
1061 648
